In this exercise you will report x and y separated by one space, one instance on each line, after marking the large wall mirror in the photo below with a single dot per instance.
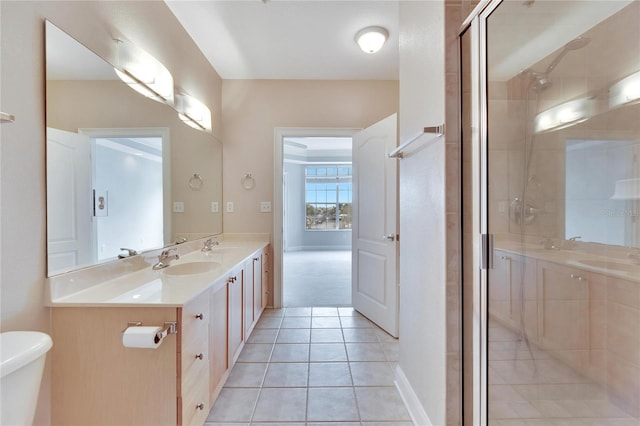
123 171
564 131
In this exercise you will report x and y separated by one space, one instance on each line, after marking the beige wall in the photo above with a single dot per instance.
151 26
252 109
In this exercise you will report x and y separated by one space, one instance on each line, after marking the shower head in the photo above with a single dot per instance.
540 80
575 44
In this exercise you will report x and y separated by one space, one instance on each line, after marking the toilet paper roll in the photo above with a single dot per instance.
141 337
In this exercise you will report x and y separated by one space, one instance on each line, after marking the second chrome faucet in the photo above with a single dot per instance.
165 258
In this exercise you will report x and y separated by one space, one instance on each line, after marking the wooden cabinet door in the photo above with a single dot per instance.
265 278
563 320
257 287
235 307
247 278
523 302
218 349
499 288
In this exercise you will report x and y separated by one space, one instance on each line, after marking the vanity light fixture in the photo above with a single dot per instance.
143 73
563 115
625 91
193 112
371 39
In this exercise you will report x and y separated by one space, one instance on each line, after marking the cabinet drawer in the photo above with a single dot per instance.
195 321
195 397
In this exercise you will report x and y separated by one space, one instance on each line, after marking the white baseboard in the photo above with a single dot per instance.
411 401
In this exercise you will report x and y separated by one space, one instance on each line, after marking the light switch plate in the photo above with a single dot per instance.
178 207
265 207
215 207
229 206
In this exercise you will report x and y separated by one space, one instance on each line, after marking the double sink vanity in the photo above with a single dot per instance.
209 301
578 305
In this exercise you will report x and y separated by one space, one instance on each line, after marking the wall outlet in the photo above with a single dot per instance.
229 206
265 207
215 207
178 207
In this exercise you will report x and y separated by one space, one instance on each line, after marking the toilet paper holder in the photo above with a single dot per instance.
170 327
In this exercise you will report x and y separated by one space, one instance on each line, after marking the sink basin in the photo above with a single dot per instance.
190 268
611 265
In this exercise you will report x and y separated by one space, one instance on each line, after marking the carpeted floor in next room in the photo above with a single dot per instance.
317 278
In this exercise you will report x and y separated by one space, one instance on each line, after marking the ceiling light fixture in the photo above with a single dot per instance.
193 112
143 73
371 39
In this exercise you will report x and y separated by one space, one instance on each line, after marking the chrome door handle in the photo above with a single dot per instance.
390 237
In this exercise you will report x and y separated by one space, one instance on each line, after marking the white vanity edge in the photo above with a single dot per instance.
569 258
99 285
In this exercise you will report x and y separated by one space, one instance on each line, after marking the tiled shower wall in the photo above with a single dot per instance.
455 13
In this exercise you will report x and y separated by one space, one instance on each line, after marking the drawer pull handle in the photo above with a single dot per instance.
200 316
578 277
255 259
200 406
232 279
200 356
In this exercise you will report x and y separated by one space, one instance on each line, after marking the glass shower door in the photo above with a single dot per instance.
562 203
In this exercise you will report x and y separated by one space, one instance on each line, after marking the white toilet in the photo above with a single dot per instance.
22 356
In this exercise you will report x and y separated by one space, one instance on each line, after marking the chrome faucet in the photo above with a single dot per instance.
165 258
130 252
209 244
570 243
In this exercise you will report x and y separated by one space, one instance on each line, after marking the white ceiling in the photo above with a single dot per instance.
291 39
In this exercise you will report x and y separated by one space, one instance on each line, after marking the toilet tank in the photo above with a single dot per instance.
22 356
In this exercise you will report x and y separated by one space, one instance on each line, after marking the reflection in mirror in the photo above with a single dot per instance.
111 158
601 202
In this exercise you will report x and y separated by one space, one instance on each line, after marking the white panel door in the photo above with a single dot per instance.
375 246
69 200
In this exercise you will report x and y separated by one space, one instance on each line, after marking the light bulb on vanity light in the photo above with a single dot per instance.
625 91
143 73
193 112
563 115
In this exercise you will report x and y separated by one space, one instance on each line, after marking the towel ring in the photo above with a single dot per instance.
247 181
195 182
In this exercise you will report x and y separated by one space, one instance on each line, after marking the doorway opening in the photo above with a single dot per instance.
317 221
130 178
312 207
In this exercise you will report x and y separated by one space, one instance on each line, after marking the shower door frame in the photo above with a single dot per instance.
475 314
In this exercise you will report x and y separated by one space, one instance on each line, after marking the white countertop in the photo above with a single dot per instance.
618 267
158 288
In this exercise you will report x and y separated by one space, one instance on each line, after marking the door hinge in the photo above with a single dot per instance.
486 251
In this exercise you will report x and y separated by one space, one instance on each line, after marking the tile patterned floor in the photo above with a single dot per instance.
543 391
313 366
